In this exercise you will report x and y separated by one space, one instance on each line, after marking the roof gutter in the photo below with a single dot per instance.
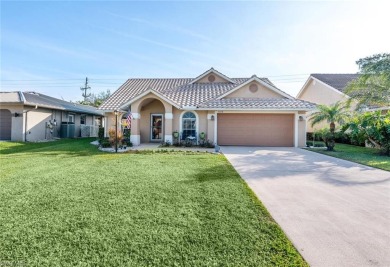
22 98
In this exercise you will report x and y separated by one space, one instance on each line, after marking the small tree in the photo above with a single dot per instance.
332 114
325 135
373 127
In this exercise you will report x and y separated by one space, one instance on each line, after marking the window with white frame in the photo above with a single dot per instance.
188 125
71 118
83 118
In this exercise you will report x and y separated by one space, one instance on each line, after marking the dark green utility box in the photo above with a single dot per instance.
67 130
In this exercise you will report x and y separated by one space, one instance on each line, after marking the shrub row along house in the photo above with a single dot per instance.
228 111
30 116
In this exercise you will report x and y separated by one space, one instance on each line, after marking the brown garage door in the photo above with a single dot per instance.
256 129
5 124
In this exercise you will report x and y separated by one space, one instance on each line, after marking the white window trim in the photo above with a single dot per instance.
196 123
85 119
74 118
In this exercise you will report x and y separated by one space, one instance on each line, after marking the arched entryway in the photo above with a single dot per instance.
151 120
5 124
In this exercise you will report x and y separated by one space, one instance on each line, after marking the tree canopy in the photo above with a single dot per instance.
96 100
373 127
372 88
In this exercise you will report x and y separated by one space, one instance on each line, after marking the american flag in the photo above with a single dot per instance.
128 121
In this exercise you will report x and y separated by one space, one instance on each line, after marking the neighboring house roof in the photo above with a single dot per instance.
258 103
337 81
41 100
183 92
11 97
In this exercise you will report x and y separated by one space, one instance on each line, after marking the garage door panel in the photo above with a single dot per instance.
5 124
256 129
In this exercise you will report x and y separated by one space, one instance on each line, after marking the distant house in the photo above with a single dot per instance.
31 116
248 111
327 89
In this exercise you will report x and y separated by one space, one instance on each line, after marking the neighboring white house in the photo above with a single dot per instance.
31 116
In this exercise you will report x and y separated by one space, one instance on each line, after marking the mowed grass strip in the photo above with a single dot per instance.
65 203
363 155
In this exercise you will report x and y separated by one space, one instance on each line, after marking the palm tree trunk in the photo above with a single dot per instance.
332 127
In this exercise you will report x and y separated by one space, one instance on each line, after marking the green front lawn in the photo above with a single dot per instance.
65 203
362 155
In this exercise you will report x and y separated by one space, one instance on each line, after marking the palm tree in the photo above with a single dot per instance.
335 113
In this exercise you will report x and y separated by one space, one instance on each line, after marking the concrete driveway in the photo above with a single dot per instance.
337 213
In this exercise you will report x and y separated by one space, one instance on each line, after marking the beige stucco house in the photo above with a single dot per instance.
325 89
31 116
229 111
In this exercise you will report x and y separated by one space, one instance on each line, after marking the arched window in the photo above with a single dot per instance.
188 125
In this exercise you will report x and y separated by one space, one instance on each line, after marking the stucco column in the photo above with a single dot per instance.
168 127
211 125
301 129
135 136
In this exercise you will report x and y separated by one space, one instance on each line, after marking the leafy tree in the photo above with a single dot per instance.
373 127
96 100
372 88
332 114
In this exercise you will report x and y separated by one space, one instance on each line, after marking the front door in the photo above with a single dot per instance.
156 127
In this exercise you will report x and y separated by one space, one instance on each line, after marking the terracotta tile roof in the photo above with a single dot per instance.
133 87
212 70
257 103
178 90
197 93
337 81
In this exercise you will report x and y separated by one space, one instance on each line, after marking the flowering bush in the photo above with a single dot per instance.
111 134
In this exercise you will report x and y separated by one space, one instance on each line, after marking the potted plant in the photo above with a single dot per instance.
175 134
202 135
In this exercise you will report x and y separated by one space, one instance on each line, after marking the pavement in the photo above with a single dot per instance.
335 212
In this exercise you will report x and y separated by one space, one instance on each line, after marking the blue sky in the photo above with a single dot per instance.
50 47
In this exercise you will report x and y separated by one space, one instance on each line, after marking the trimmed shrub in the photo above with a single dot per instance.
105 143
101 133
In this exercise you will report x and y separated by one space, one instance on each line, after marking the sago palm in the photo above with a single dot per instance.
335 113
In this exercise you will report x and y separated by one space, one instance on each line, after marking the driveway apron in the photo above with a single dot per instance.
336 212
